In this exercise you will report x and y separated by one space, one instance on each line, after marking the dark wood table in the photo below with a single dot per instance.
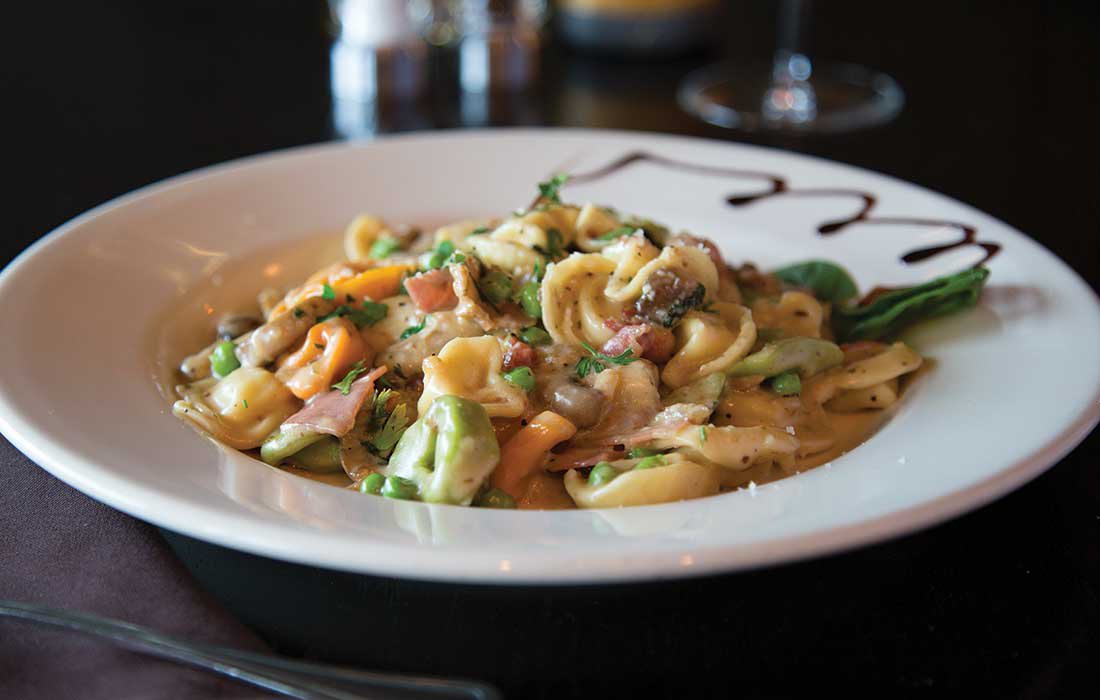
1002 100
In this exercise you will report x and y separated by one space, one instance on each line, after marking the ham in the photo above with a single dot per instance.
518 354
333 412
432 291
654 343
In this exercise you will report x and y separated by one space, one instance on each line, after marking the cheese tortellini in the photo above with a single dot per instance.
677 479
710 342
471 368
240 410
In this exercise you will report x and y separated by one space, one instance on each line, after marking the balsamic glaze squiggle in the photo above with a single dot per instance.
777 185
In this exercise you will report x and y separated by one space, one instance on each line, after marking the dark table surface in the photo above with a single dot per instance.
101 98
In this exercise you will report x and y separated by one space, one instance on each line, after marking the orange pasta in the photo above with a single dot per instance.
523 455
328 352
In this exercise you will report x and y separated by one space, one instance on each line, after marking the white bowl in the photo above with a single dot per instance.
98 311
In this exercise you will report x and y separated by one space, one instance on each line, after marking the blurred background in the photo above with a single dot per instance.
992 103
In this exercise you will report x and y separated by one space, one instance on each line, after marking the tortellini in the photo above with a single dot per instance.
894 361
636 260
407 356
676 480
709 342
797 314
730 447
240 410
471 368
575 308
592 222
582 294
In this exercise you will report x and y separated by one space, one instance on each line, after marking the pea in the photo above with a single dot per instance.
652 461
495 286
602 473
535 336
372 484
522 377
787 384
396 487
223 360
529 299
384 247
495 498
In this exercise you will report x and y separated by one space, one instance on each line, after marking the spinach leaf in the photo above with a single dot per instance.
827 281
890 313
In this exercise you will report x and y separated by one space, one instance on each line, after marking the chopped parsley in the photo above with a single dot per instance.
349 298
384 247
327 292
413 330
344 385
549 190
479 231
298 313
438 256
702 433
371 313
244 402
617 233
598 362
319 346
386 427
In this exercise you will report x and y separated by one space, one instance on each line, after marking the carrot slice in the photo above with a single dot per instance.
522 456
374 284
328 352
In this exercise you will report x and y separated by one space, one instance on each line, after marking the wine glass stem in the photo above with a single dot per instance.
791 97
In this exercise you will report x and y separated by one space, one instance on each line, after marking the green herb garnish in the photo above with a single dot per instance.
479 231
344 385
598 362
327 292
549 190
413 330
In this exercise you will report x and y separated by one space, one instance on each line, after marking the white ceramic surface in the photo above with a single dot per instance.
1016 382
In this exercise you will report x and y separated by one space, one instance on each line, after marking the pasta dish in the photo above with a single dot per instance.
560 356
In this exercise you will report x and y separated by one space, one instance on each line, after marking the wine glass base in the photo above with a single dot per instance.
842 97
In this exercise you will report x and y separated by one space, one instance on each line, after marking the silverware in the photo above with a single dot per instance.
295 679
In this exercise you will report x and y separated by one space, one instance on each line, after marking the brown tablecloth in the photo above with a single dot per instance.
60 548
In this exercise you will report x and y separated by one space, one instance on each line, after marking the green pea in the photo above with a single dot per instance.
372 484
602 473
535 336
397 487
495 498
384 247
637 452
787 384
652 461
529 299
495 286
223 360
522 377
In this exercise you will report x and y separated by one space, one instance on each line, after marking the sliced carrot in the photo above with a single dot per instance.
523 455
328 352
374 284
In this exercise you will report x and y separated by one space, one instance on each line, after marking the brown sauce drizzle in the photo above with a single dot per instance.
777 186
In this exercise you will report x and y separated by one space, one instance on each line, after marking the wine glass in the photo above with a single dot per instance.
796 95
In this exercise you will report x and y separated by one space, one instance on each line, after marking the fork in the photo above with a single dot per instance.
287 677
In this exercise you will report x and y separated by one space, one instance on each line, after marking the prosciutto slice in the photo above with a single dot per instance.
432 291
333 412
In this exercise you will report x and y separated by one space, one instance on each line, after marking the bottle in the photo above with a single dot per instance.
638 26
